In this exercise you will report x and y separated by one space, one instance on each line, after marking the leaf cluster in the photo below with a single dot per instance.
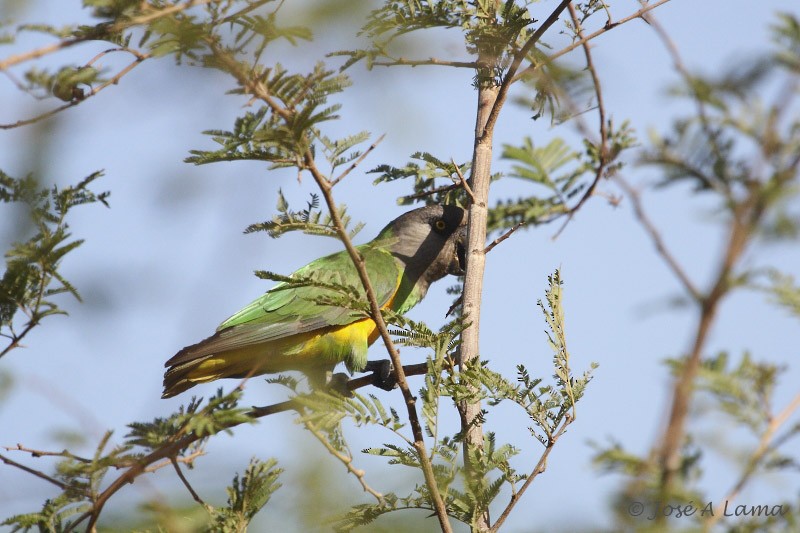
739 147
492 31
219 413
247 495
32 276
284 131
469 492
310 220
80 479
425 176
740 150
83 480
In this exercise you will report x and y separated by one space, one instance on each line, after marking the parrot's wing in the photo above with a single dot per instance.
290 310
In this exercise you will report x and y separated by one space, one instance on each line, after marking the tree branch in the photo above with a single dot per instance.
346 460
658 241
41 475
603 155
401 61
519 57
186 483
75 101
540 467
755 459
181 441
377 317
609 26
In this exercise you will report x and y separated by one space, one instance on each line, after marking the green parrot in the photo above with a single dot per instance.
289 328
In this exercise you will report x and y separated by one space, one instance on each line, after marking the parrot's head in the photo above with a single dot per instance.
430 241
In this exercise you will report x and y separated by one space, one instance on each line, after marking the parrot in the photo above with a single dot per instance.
291 327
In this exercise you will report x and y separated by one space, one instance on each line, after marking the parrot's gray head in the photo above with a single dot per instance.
430 241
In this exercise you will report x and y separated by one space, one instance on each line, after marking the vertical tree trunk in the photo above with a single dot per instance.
473 283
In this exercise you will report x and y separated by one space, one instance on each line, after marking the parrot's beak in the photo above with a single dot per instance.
458 265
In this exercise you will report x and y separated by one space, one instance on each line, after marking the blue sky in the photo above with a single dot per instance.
168 261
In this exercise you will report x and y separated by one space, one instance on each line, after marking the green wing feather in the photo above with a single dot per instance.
288 310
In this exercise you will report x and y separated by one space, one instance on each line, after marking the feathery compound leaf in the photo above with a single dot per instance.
310 220
32 274
426 189
247 496
220 412
538 164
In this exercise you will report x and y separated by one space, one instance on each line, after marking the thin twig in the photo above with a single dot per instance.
37 473
15 339
72 103
519 57
504 236
463 182
540 467
358 161
39 52
755 459
431 192
346 460
186 483
603 153
702 112
251 7
185 459
567 49
658 241
115 28
422 62
42 453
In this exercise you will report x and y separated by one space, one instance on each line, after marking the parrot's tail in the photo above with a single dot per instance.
194 364
186 375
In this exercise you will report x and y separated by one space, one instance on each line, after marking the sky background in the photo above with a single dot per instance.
168 262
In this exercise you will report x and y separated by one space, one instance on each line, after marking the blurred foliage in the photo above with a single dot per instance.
744 153
32 276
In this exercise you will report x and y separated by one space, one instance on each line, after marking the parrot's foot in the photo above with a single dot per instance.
382 374
338 383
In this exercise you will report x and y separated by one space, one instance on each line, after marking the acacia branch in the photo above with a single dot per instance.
41 475
658 241
519 57
490 101
375 313
745 217
540 467
140 57
401 61
755 459
182 440
603 154
580 42
346 460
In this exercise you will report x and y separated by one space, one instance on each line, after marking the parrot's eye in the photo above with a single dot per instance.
439 225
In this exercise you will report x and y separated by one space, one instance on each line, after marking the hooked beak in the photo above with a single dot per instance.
458 265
